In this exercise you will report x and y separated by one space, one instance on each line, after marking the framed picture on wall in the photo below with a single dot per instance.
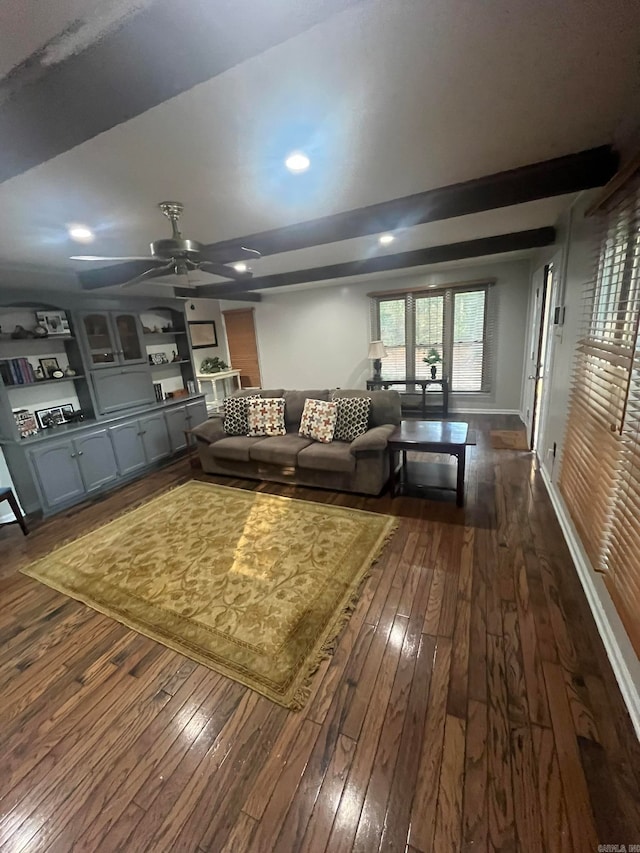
203 334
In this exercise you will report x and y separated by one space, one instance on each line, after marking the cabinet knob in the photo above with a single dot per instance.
72 456
80 452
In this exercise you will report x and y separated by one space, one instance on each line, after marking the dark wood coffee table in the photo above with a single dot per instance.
428 437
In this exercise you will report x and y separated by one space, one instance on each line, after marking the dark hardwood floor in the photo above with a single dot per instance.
469 704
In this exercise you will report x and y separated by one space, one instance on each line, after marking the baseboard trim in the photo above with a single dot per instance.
454 410
616 642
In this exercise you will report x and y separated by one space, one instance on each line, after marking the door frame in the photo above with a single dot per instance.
540 344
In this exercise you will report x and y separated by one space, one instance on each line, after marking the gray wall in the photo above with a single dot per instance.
319 337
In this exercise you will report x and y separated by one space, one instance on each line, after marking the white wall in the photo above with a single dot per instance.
576 249
573 258
319 337
208 309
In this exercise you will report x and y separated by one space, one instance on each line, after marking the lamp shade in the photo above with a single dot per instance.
377 350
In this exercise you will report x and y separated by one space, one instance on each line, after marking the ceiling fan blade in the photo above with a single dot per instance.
224 271
104 258
228 255
157 272
116 274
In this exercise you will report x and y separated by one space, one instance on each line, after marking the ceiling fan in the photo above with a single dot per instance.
173 256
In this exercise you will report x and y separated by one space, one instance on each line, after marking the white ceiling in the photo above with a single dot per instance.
387 98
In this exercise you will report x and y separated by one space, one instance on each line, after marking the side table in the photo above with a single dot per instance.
429 437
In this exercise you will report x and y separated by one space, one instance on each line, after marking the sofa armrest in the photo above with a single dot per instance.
373 439
210 430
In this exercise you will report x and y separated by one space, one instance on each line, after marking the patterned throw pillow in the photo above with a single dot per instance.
235 415
318 420
353 417
266 416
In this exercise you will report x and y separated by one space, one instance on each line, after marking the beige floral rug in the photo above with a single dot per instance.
255 586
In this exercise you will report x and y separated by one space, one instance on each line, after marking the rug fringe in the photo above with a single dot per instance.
303 691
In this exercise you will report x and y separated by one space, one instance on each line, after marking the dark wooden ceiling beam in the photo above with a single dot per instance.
568 174
200 293
154 55
517 241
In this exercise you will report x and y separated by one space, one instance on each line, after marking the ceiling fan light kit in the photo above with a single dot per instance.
176 255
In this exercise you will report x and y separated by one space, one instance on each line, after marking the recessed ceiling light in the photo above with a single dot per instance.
386 239
297 162
80 233
240 266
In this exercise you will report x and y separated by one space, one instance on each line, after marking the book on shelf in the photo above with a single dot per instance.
17 371
157 387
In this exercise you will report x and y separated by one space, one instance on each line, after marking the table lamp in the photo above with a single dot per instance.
377 352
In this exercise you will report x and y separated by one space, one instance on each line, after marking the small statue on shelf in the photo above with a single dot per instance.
21 334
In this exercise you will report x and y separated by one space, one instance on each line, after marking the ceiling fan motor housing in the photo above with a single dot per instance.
176 247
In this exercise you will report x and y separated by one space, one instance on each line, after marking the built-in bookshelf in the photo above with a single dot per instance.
167 345
42 375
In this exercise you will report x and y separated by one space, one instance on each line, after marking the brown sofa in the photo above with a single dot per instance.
359 466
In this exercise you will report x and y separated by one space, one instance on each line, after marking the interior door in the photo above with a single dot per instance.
537 376
531 369
243 347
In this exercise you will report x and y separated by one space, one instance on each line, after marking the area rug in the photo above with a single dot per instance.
509 439
254 586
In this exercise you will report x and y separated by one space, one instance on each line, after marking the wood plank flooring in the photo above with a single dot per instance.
469 705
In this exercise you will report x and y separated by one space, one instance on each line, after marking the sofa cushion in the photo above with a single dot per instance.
294 405
235 415
266 416
235 447
385 405
318 420
353 417
279 449
327 457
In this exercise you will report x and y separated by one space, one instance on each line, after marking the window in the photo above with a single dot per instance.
600 474
451 321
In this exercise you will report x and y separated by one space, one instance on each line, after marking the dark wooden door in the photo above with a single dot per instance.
243 347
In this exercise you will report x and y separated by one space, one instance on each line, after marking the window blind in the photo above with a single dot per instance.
392 334
468 340
455 322
600 474
429 318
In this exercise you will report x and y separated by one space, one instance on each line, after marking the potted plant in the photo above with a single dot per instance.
213 365
433 357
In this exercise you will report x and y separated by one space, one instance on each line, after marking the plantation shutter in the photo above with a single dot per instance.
600 476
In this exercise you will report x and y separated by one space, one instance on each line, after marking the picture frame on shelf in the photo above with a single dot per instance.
203 334
51 417
55 322
26 422
48 366
158 358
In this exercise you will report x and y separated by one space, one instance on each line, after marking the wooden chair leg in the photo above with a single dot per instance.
13 503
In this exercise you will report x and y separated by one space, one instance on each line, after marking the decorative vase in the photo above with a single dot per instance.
434 370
